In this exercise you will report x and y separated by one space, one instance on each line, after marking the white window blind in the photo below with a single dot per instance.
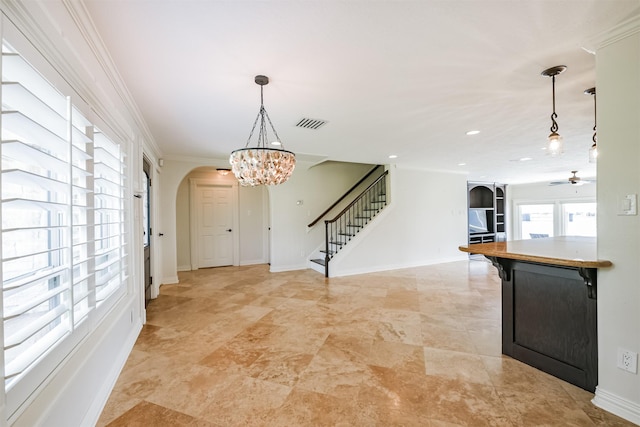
63 218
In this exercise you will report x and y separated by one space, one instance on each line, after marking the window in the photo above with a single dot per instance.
535 221
559 218
63 214
579 219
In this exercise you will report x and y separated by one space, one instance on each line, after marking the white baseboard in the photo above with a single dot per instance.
184 268
253 262
102 394
77 392
617 405
280 269
388 267
170 280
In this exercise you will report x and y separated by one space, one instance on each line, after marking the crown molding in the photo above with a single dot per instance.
81 17
28 17
621 31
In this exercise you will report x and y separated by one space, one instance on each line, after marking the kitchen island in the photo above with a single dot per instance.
549 306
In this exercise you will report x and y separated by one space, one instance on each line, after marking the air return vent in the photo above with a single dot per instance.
310 123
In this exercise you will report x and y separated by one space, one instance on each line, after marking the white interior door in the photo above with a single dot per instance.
215 226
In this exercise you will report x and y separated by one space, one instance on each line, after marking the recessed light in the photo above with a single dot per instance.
473 132
525 159
462 164
276 143
393 156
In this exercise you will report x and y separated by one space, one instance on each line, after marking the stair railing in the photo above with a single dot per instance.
344 196
339 230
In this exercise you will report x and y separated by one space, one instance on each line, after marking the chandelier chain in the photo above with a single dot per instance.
262 134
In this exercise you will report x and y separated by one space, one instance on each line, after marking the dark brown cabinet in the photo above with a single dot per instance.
486 212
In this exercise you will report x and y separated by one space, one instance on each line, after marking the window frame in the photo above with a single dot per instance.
558 212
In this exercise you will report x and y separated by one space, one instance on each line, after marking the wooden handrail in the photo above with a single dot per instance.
357 198
315 221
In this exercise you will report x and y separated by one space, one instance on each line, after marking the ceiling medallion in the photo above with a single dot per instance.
262 165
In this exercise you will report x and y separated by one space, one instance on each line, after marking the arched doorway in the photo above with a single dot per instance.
249 235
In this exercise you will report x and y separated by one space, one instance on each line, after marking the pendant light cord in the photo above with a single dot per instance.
595 118
554 124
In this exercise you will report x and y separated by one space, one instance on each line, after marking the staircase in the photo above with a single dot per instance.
352 219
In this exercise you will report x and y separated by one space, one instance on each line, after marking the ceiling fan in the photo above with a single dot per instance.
573 180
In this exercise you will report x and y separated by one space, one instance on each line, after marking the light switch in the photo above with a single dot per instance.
628 205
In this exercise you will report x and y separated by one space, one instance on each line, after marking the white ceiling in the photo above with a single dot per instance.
391 77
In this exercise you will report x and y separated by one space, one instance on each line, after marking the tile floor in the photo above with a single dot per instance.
239 346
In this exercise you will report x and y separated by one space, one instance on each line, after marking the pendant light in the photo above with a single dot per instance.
262 165
593 151
555 140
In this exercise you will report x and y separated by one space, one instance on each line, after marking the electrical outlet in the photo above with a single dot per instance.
628 360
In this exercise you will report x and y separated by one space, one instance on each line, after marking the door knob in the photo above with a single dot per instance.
229 230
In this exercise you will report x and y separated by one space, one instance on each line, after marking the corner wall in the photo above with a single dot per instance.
424 224
618 88
294 204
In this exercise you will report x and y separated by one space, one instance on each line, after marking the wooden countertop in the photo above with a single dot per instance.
569 251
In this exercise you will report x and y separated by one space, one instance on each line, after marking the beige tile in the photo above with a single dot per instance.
332 373
236 346
282 367
447 339
147 414
244 402
404 357
454 365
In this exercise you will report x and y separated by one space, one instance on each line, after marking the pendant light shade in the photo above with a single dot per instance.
593 150
555 146
262 165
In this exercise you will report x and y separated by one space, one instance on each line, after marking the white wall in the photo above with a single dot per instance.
294 204
317 186
425 224
618 87
171 176
254 223
183 226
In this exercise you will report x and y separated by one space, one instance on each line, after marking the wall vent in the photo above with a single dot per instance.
310 123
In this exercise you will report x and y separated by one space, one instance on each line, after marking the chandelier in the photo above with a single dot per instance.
593 151
262 165
555 140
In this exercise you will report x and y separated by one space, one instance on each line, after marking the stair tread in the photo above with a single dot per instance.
325 252
318 261
355 226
